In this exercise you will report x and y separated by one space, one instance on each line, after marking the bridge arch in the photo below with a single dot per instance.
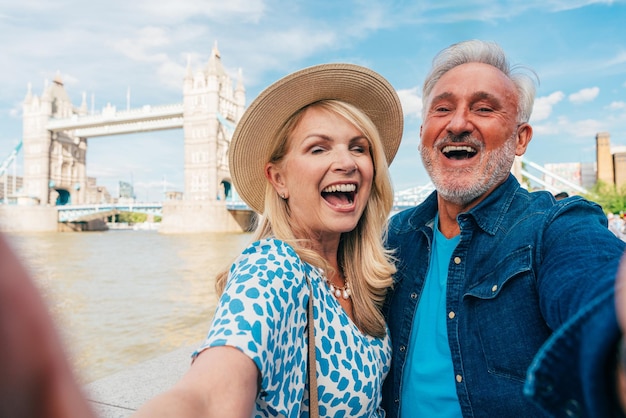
64 197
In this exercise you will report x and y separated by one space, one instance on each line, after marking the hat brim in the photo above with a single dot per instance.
253 138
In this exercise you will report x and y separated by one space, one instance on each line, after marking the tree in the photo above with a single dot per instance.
612 199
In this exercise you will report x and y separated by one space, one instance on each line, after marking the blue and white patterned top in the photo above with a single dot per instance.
263 313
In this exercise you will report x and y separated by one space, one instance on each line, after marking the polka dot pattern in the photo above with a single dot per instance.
263 313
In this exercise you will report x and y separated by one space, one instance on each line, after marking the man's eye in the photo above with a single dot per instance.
442 109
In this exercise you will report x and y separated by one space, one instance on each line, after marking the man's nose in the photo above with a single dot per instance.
460 122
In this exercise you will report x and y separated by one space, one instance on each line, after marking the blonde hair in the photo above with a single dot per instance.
362 255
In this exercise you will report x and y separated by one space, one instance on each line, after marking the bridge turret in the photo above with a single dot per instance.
82 110
240 96
188 80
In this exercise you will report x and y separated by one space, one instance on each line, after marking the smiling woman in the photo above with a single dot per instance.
310 155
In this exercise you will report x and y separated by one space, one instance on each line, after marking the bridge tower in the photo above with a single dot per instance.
54 163
211 107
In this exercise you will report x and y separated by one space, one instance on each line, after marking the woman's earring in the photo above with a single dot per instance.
283 196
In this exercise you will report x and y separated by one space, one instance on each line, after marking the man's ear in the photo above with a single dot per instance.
524 135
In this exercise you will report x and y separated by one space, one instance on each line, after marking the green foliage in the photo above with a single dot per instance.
612 199
134 218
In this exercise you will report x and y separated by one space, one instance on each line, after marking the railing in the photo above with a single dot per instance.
73 213
555 177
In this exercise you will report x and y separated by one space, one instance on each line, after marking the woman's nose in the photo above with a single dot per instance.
345 162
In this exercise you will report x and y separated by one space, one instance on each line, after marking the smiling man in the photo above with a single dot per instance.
503 300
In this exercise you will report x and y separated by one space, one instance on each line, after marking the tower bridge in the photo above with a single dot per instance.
56 135
55 143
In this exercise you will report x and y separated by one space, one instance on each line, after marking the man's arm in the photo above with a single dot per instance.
620 300
36 379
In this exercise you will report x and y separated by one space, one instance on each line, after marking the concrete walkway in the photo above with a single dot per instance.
119 395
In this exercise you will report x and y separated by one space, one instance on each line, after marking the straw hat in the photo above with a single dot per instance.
253 138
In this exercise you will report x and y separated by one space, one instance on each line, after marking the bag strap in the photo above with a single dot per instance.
312 373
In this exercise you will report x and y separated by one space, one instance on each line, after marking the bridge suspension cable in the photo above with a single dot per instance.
11 158
548 173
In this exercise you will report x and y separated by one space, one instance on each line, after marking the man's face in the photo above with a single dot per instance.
469 137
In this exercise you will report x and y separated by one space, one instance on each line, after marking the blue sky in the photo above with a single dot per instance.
103 49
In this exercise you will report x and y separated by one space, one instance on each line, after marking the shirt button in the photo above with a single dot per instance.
403 348
459 378
494 288
451 315
457 260
413 295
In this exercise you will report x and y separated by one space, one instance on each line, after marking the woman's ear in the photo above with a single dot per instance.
274 175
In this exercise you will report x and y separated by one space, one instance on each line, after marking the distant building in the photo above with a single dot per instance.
173 195
97 194
571 172
588 174
9 185
619 168
604 158
611 161
126 192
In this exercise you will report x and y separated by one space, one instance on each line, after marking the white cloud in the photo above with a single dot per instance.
573 129
543 105
411 102
584 95
587 128
617 106
181 10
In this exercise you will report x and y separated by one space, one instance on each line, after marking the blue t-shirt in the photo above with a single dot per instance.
428 387
263 313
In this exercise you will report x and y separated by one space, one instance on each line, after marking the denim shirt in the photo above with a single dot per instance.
530 292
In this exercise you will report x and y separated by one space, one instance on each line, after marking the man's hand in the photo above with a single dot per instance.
36 380
620 300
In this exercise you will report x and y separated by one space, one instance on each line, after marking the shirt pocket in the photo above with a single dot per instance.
504 313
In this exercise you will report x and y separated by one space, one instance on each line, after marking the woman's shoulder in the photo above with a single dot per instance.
270 247
268 258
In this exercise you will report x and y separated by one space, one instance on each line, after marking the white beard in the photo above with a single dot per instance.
462 186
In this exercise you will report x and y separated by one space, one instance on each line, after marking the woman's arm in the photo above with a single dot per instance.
222 381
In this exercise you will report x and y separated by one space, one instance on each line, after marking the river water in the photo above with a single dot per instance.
122 297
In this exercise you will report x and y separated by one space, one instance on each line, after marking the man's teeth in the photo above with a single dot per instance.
340 188
453 148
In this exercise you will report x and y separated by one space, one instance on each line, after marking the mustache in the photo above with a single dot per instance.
464 137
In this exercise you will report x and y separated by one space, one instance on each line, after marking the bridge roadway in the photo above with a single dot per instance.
82 213
114 122
76 213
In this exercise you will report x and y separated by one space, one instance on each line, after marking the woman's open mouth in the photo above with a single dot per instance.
340 195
